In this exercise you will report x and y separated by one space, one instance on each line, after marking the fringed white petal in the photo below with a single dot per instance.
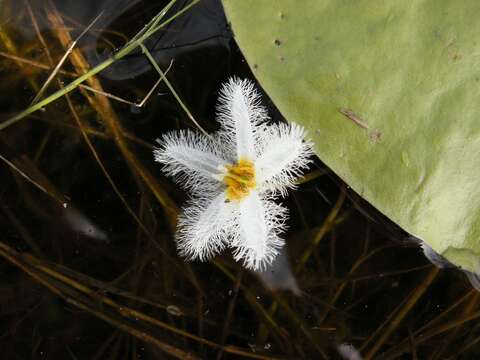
192 159
251 225
285 155
204 227
259 224
240 114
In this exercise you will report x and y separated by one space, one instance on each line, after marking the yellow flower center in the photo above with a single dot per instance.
240 179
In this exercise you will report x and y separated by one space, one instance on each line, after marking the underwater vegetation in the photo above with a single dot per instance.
89 265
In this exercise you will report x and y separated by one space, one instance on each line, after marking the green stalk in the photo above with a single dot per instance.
137 40
171 88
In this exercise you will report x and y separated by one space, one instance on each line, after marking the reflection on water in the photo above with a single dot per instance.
83 225
101 278
348 352
202 28
279 274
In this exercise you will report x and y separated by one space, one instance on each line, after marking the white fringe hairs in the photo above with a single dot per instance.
250 226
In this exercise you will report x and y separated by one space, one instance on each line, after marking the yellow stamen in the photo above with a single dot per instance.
240 179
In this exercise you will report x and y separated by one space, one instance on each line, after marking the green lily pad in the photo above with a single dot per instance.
390 94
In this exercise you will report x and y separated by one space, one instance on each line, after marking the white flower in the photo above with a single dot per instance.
234 175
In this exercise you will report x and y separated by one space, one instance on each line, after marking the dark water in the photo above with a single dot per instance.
84 277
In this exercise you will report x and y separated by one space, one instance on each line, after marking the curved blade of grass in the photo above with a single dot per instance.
54 196
128 48
111 121
82 296
171 88
412 300
62 60
72 296
326 227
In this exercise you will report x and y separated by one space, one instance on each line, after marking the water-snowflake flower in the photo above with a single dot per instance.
235 177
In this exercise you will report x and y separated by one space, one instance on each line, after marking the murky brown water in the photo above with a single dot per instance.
88 265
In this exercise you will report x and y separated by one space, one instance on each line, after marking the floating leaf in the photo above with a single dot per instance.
390 93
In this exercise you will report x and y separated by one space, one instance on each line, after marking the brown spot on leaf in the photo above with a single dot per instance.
457 57
375 136
354 117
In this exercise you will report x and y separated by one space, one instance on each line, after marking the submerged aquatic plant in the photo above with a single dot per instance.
234 176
